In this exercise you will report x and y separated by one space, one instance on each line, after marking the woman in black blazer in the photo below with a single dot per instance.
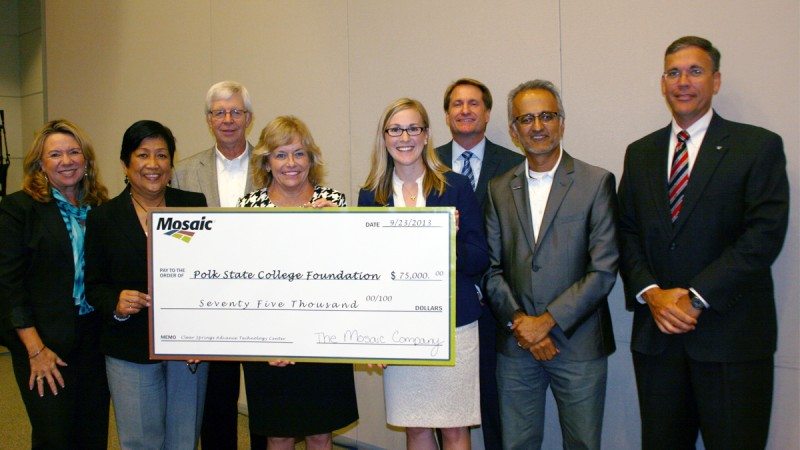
157 404
405 171
47 323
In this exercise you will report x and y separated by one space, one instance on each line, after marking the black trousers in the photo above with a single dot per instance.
221 411
490 406
729 403
78 416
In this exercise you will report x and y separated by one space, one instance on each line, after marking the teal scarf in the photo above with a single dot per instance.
75 220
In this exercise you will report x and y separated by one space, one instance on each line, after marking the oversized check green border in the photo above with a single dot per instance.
197 300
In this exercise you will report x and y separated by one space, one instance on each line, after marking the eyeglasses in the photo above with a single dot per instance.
544 116
397 131
673 75
219 114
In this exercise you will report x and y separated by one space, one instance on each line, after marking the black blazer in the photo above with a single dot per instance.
472 252
497 160
116 260
37 273
729 232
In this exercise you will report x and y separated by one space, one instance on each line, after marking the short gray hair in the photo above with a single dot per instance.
696 41
531 86
225 90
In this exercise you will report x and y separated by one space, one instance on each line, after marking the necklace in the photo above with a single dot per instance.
146 224
408 192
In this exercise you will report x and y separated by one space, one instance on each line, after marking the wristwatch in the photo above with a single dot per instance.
696 302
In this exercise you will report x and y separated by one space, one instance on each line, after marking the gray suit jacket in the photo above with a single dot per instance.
568 271
198 173
496 161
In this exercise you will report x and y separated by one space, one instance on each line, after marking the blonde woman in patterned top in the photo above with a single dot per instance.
288 168
287 399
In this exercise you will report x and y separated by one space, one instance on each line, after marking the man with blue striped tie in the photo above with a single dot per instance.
467 106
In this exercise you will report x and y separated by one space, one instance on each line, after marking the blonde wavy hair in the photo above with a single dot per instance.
379 179
281 131
34 182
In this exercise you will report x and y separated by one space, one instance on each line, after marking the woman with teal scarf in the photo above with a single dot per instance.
45 319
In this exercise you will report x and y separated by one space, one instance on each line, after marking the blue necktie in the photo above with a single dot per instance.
466 169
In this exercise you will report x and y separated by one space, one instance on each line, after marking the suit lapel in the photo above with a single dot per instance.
128 223
708 158
433 199
519 192
489 166
248 188
207 177
656 174
54 223
562 181
447 154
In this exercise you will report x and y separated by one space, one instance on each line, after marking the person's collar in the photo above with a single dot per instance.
234 163
478 150
398 182
698 127
533 175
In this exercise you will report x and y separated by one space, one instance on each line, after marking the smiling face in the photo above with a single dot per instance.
405 150
290 165
689 94
150 168
229 131
467 115
63 162
539 140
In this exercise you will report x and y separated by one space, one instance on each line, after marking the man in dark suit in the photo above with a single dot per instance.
223 174
702 219
467 105
550 226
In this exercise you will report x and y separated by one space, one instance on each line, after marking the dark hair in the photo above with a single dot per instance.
142 130
695 41
487 96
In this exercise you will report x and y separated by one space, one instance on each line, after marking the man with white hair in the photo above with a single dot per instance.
223 174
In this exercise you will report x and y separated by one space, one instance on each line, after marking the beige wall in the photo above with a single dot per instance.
21 85
337 63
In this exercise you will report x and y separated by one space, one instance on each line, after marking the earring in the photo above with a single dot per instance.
126 180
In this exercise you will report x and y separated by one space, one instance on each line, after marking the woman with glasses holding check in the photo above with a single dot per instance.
405 172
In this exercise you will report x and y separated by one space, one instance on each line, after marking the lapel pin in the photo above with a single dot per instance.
719 147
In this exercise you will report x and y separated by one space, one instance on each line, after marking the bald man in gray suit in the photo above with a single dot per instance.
553 261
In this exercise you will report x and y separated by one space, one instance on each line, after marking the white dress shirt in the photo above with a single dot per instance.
697 131
232 177
475 162
399 198
539 184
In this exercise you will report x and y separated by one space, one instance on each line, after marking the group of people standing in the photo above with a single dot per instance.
699 217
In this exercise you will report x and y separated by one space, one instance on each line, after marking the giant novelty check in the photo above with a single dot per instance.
327 285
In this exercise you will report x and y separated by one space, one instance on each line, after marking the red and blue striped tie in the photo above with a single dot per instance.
678 176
